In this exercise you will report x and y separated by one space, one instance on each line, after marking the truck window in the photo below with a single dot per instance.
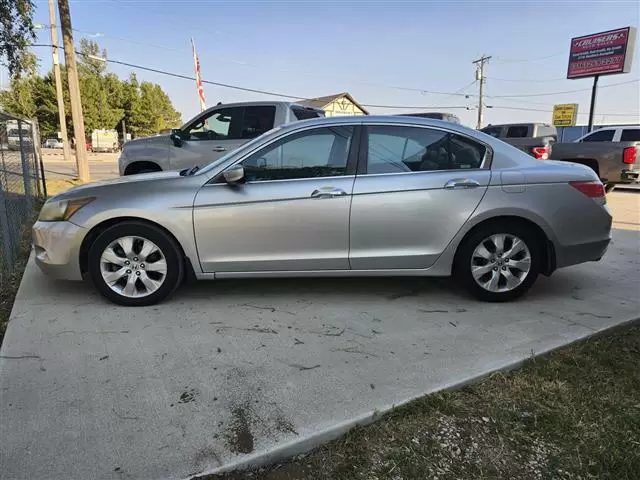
215 125
257 120
305 113
599 136
630 135
493 131
518 131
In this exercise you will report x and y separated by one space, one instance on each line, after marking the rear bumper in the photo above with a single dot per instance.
630 176
57 249
584 252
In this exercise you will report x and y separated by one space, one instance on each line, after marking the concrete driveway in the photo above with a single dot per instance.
231 371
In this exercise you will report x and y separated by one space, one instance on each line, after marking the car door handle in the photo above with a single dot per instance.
461 183
328 192
219 149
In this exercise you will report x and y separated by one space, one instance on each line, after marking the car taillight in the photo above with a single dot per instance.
594 189
541 153
630 155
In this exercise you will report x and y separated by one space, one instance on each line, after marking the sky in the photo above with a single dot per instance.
382 52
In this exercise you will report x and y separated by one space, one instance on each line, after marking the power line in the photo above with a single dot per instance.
522 95
551 111
524 60
297 97
520 80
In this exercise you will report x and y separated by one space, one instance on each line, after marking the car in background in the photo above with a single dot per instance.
209 136
52 143
447 117
337 196
611 152
536 139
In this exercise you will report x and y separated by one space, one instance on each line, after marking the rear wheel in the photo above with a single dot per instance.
135 264
499 262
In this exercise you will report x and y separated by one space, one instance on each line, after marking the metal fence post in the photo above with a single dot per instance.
5 233
25 169
37 156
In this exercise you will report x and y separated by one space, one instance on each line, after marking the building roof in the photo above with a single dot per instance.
321 102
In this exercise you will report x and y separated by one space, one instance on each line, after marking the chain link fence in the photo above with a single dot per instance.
22 185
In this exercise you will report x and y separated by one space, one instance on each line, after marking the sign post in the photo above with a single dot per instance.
604 53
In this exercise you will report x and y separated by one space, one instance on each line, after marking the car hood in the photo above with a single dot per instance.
94 188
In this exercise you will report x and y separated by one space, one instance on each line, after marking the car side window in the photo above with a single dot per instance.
599 136
321 152
630 135
394 149
220 124
257 120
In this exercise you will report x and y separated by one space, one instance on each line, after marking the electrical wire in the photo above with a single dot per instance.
523 95
297 97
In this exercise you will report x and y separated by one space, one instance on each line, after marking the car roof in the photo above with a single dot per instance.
386 119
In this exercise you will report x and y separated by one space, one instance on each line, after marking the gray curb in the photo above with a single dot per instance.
300 446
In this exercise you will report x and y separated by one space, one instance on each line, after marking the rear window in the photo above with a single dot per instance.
257 120
493 131
305 113
630 135
518 131
600 136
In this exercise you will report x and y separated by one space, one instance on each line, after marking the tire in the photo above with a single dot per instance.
470 251
108 257
609 187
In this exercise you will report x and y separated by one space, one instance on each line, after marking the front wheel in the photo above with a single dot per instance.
498 263
135 264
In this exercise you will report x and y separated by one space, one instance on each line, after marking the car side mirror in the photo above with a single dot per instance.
176 137
234 175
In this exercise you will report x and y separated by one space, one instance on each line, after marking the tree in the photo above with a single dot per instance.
16 32
152 111
20 100
106 99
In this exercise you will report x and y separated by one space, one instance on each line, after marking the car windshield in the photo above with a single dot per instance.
245 147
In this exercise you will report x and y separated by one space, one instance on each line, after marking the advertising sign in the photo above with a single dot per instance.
565 114
602 53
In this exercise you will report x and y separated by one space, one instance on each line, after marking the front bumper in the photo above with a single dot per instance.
57 248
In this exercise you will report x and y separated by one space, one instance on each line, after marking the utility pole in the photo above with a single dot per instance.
66 149
74 91
480 76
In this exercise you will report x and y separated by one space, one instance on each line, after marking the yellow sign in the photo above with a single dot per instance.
565 115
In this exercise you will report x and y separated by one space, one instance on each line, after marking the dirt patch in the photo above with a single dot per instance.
238 434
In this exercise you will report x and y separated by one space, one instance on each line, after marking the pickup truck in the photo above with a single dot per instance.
611 152
535 139
209 135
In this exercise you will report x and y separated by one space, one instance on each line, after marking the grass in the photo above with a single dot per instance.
54 187
573 414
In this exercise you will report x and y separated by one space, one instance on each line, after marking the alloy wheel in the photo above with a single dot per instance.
500 263
133 266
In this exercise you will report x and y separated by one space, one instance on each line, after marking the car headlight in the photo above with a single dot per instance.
61 210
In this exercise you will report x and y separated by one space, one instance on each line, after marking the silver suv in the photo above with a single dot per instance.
210 135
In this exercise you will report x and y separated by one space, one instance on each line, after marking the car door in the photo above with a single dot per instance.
290 214
414 190
219 131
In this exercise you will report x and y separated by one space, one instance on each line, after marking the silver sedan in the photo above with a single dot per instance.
332 197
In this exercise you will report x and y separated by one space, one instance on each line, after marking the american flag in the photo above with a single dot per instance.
196 64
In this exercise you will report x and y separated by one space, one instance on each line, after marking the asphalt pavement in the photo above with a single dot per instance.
102 166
